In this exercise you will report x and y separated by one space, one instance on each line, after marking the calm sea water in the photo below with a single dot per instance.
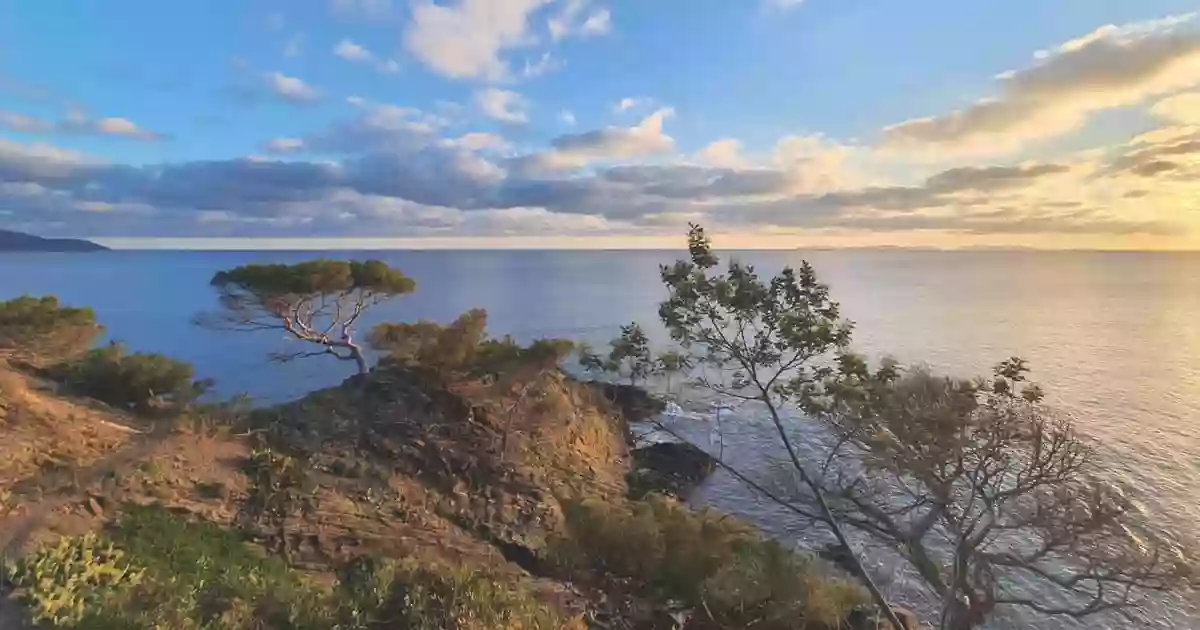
1114 338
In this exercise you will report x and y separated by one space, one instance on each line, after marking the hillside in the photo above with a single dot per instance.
20 242
505 503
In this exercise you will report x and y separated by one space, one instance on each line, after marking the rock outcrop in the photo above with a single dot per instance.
671 468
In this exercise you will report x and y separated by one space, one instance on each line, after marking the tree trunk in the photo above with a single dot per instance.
880 600
359 359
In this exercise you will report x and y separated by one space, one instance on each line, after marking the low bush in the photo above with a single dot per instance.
141 382
39 328
153 569
423 596
197 575
720 568
63 583
463 348
280 487
445 349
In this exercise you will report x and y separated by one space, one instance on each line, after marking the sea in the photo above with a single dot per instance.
1113 339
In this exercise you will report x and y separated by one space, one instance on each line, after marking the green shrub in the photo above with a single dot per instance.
61 584
463 348
38 327
280 486
200 575
500 356
721 568
423 596
443 349
137 381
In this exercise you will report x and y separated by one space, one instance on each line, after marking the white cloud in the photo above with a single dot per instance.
545 64
13 121
291 89
350 51
480 141
76 121
1182 108
630 102
503 105
570 21
123 127
647 138
598 23
567 117
357 53
294 47
283 145
1112 67
726 153
465 39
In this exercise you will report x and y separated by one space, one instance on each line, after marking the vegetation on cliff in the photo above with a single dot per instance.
468 482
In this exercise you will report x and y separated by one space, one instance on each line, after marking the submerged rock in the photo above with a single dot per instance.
635 403
671 468
840 556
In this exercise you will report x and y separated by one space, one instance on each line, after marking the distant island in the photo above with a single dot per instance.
20 242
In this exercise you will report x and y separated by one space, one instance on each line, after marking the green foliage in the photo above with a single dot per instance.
423 596
771 342
768 331
137 381
199 575
673 362
444 349
62 583
721 568
321 276
463 348
39 327
629 354
499 356
589 359
280 486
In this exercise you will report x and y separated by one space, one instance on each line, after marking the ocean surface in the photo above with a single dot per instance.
1113 338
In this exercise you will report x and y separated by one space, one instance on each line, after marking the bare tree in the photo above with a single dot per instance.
992 497
774 336
317 302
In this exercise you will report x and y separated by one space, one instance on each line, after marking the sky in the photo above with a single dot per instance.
1065 124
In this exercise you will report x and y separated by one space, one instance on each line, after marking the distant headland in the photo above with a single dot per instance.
20 242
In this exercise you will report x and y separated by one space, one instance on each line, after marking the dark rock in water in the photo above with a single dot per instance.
669 468
863 620
634 402
841 556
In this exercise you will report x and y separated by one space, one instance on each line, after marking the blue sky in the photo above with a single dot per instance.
1066 123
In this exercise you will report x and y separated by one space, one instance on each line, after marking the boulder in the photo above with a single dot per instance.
635 403
840 556
670 468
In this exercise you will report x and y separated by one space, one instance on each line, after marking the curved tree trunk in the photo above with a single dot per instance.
359 359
